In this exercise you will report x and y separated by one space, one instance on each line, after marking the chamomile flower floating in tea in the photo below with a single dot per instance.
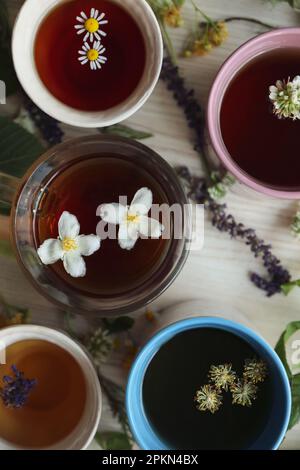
208 399
93 55
243 393
91 25
222 376
16 389
70 247
132 220
255 371
285 96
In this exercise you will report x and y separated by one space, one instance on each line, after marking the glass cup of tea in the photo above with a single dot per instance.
248 138
178 397
90 63
78 177
62 409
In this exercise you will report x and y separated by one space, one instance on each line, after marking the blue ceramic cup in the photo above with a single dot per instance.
276 427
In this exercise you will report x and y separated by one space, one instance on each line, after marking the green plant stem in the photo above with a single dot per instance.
205 16
249 20
167 41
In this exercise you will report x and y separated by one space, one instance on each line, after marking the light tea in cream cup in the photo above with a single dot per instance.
50 397
89 63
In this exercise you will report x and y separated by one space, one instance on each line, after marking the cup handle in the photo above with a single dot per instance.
8 188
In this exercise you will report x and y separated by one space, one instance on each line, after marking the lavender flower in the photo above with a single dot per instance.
48 126
198 190
16 389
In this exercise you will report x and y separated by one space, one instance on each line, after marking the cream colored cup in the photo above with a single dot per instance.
84 432
27 24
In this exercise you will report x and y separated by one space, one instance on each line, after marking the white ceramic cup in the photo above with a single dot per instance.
26 26
83 434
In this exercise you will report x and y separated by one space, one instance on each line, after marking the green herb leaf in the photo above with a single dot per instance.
7 71
295 414
19 148
118 325
113 441
6 249
280 349
125 131
289 286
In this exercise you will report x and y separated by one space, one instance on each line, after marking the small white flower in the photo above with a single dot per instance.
91 25
93 55
285 96
132 220
70 247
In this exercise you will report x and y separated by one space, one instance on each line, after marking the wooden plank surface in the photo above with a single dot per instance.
221 269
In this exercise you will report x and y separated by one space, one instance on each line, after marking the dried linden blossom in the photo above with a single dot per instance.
222 376
285 96
243 393
208 399
255 371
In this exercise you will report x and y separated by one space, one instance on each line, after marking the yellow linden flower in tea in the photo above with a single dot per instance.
91 25
208 399
243 393
222 376
92 55
255 370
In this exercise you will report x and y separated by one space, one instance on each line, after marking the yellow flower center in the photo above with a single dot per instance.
132 218
69 244
92 55
91 25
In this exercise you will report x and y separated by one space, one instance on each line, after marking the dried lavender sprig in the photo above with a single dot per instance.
48 126
185 98
16 389
198 191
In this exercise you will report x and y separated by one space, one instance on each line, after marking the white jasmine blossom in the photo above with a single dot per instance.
91 25
70 247
132 220
285 96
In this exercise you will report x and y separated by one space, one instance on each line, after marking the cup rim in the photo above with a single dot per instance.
142 431
213 122
34 87
63 340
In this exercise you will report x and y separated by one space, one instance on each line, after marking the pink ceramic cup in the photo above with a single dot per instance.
279 38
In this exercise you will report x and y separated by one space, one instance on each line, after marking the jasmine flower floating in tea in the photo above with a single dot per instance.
70 247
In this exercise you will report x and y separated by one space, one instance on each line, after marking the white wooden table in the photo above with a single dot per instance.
221 269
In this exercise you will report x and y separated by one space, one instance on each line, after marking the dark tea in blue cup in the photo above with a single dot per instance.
208 383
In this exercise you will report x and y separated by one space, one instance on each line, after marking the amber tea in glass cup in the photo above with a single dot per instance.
78 176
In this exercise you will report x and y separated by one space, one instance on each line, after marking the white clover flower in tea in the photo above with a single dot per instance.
285 96
266 90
